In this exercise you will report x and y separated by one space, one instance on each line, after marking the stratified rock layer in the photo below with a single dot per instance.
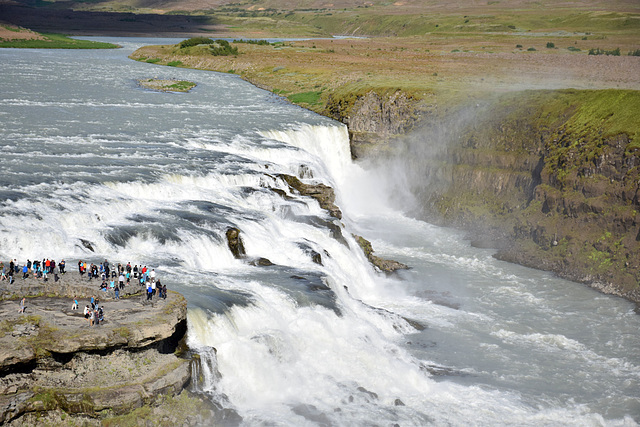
51 359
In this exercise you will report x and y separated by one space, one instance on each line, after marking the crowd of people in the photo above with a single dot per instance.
40 269
113 279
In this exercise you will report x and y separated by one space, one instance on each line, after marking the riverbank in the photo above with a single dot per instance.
12 36
55 365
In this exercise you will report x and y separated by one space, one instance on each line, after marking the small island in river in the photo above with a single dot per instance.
167 85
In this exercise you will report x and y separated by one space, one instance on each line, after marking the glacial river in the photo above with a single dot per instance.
93 167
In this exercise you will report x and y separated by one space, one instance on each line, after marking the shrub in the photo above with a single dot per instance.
551 45
258 42
598 51
518 46
222 48
194 41
174 63
635 52
532 49
573 49
153 60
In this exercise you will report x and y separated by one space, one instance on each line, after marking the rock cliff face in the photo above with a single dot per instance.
551 178
54 365
375 118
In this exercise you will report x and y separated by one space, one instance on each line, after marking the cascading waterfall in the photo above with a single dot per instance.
279 345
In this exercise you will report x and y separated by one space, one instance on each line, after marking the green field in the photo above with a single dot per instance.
56 41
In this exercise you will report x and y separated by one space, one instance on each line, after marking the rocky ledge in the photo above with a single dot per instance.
54 365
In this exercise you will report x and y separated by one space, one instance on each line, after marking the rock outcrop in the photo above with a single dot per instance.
322 193
53 362
384 265
234 241
375 118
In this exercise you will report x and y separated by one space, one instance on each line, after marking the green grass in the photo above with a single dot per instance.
57 41
183 85
311 98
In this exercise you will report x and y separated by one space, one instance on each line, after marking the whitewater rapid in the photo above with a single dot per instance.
95 167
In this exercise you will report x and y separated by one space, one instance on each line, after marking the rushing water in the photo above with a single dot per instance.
90 159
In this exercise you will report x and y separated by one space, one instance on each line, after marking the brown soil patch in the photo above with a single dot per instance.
13 32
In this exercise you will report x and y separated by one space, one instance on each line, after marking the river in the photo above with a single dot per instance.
93 167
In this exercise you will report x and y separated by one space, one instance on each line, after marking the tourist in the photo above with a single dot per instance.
25 272
164 291
23 307
10 273
55 273
92 317
86 313
149 293
80 268
117 291
75 304
121 281
61 265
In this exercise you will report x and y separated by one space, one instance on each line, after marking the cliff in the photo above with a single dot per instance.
550 178
375 117
54 366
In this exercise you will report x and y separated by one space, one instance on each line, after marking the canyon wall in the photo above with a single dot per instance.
549 178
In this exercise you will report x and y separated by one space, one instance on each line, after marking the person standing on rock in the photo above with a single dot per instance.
117 291
61 265
75 304
56 270
149 293
25 272
22 305
86 313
